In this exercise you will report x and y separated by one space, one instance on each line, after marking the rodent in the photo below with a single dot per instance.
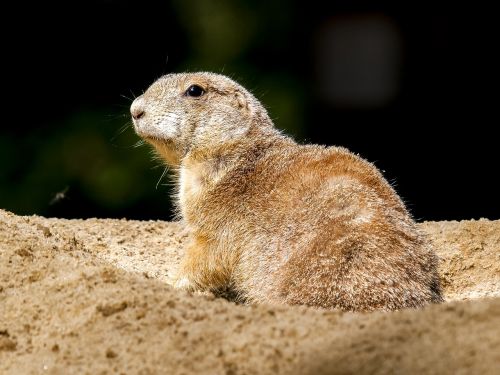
276 221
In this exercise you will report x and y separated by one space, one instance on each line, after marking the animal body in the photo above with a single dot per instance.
276 221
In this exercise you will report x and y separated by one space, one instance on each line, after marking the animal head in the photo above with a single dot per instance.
182 111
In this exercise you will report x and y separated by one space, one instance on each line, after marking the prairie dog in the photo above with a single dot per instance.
276 221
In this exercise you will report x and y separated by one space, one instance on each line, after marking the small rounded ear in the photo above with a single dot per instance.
240 100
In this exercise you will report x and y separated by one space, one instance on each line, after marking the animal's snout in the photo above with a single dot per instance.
137 109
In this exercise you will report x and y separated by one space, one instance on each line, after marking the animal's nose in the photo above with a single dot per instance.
137 109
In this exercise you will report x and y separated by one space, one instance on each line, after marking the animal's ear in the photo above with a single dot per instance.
240 99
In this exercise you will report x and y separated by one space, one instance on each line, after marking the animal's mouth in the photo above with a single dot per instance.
146 135
152 133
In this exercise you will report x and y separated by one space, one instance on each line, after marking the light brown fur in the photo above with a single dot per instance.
277 221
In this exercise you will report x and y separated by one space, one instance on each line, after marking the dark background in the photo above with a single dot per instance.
406 88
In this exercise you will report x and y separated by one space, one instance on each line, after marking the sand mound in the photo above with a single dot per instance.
93 296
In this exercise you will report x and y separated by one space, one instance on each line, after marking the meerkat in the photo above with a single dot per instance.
276 221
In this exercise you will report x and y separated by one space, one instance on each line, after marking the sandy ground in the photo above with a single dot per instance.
93 296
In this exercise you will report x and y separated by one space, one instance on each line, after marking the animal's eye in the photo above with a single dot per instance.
194 91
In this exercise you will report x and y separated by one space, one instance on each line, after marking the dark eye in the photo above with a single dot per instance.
194 91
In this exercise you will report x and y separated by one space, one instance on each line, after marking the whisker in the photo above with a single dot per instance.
118 116
162 175
126 97
123 106
139 143
120 131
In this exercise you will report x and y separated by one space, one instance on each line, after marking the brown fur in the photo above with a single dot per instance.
278 221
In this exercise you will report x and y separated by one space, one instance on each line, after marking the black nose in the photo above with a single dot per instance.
138 114
137 109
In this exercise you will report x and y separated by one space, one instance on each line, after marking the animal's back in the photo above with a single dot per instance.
320 226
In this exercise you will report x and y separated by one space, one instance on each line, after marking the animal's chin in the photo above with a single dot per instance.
144 131
166 148
155 140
